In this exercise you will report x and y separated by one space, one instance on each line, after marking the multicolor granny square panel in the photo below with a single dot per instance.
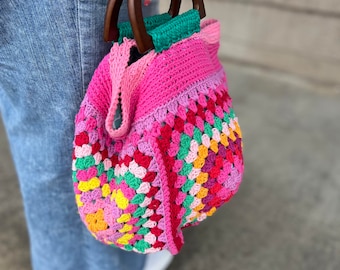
201 150
179 160
119 196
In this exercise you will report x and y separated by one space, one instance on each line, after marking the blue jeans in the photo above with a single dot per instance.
48 53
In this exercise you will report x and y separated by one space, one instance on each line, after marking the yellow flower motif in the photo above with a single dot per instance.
83 186
121 201
124 218
94 183
90 185
126 228
124 240
78 201
106 190
114 194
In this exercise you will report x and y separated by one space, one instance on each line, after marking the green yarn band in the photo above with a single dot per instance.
166 30
152 22
179 28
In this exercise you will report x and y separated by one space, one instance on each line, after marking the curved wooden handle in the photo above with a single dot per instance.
143 39
111 32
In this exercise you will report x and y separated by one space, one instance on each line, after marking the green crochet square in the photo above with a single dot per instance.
165 30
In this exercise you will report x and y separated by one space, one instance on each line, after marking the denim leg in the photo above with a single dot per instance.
48 52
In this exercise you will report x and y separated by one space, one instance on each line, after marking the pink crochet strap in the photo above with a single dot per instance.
125 79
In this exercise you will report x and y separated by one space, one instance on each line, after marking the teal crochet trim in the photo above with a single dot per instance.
179 28
152 22
165 30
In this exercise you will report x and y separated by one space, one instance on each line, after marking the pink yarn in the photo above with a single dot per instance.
175 158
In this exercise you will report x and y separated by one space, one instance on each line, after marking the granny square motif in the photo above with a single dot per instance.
176 154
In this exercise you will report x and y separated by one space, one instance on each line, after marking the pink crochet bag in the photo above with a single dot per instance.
175 156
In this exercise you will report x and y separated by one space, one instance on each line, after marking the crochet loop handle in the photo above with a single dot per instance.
143 39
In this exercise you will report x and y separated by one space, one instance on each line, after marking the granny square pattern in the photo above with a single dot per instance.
176 155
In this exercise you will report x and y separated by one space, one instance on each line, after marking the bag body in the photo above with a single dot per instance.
157 146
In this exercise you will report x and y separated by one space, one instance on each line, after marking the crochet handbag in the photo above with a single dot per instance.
157 145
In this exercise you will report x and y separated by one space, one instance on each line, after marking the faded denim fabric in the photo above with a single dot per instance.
48 53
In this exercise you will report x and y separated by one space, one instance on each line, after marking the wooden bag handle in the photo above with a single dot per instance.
143 39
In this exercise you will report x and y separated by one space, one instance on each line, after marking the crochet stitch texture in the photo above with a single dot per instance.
177 155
